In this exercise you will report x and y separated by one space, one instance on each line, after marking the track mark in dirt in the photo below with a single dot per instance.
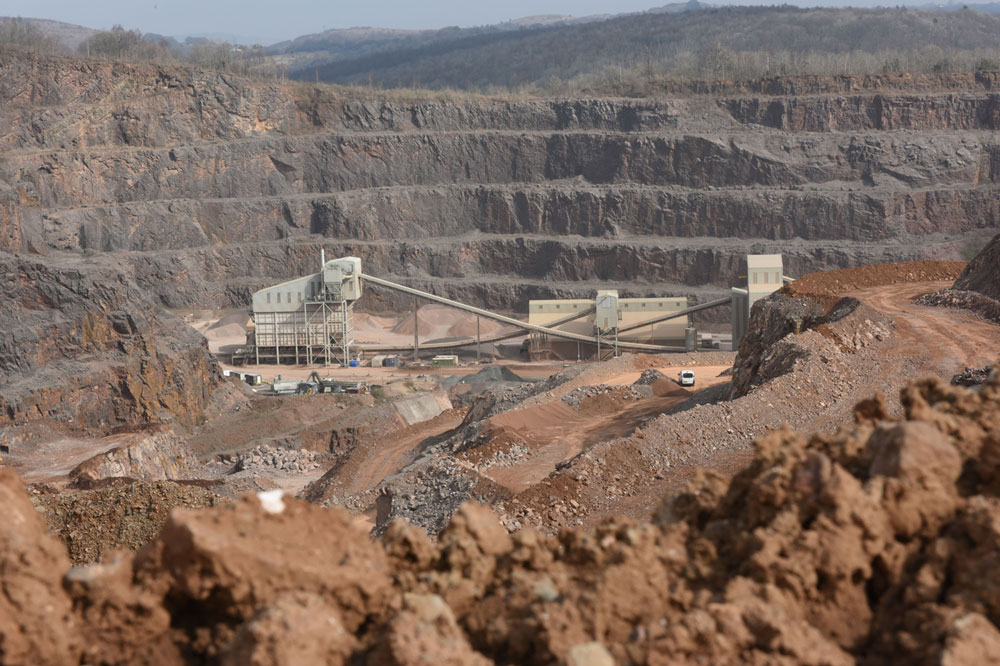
944 338
385 457
556 432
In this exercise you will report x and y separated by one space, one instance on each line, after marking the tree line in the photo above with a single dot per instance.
120 44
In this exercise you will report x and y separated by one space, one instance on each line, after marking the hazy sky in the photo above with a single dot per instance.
275 20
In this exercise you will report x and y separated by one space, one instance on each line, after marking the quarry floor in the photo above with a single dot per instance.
361 441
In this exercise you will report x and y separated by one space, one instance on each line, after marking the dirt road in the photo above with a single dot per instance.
943 339
385 457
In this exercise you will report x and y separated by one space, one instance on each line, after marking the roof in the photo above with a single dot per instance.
763 261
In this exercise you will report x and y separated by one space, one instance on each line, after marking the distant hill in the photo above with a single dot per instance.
514 56
67 35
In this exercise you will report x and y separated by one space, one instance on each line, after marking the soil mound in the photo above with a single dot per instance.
981 274
837 283
874 545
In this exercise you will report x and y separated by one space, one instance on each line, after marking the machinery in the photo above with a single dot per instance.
328 385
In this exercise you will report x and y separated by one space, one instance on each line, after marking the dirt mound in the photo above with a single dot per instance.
981 274
874 545
121 513
837 283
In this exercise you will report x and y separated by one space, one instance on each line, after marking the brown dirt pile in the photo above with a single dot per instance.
837 283
120 513
875 545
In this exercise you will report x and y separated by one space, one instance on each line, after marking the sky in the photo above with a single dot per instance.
271 21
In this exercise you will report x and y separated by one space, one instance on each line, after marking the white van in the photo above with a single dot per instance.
685 377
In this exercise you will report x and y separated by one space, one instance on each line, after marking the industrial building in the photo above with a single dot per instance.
765 275
308 319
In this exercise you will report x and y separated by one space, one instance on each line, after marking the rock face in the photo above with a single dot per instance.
84 348
875 545
155 455
210 186
982 273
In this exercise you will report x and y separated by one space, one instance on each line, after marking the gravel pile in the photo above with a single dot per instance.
648 377
972 376
624 393
428 495
266 458
983 306
512 455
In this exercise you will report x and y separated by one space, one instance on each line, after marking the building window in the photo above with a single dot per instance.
777 278
755 277
765 277
269 297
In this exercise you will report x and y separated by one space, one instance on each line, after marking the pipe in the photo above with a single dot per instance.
509 320
679 313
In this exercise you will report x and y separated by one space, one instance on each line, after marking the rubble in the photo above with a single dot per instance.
649 377
578 396
116 513
972 376
266 458
985 307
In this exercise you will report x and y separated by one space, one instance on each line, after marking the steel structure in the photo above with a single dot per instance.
322 331
308 319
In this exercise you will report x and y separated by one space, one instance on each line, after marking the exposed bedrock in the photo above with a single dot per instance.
208 186
273 166
951 111
83 347
619 211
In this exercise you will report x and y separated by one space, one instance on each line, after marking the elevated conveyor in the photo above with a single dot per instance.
553 332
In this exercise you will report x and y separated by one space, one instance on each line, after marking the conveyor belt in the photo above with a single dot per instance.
555 333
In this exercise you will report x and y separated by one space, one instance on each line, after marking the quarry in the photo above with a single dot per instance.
302 374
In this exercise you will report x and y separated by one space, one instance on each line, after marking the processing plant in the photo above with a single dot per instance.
309 319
